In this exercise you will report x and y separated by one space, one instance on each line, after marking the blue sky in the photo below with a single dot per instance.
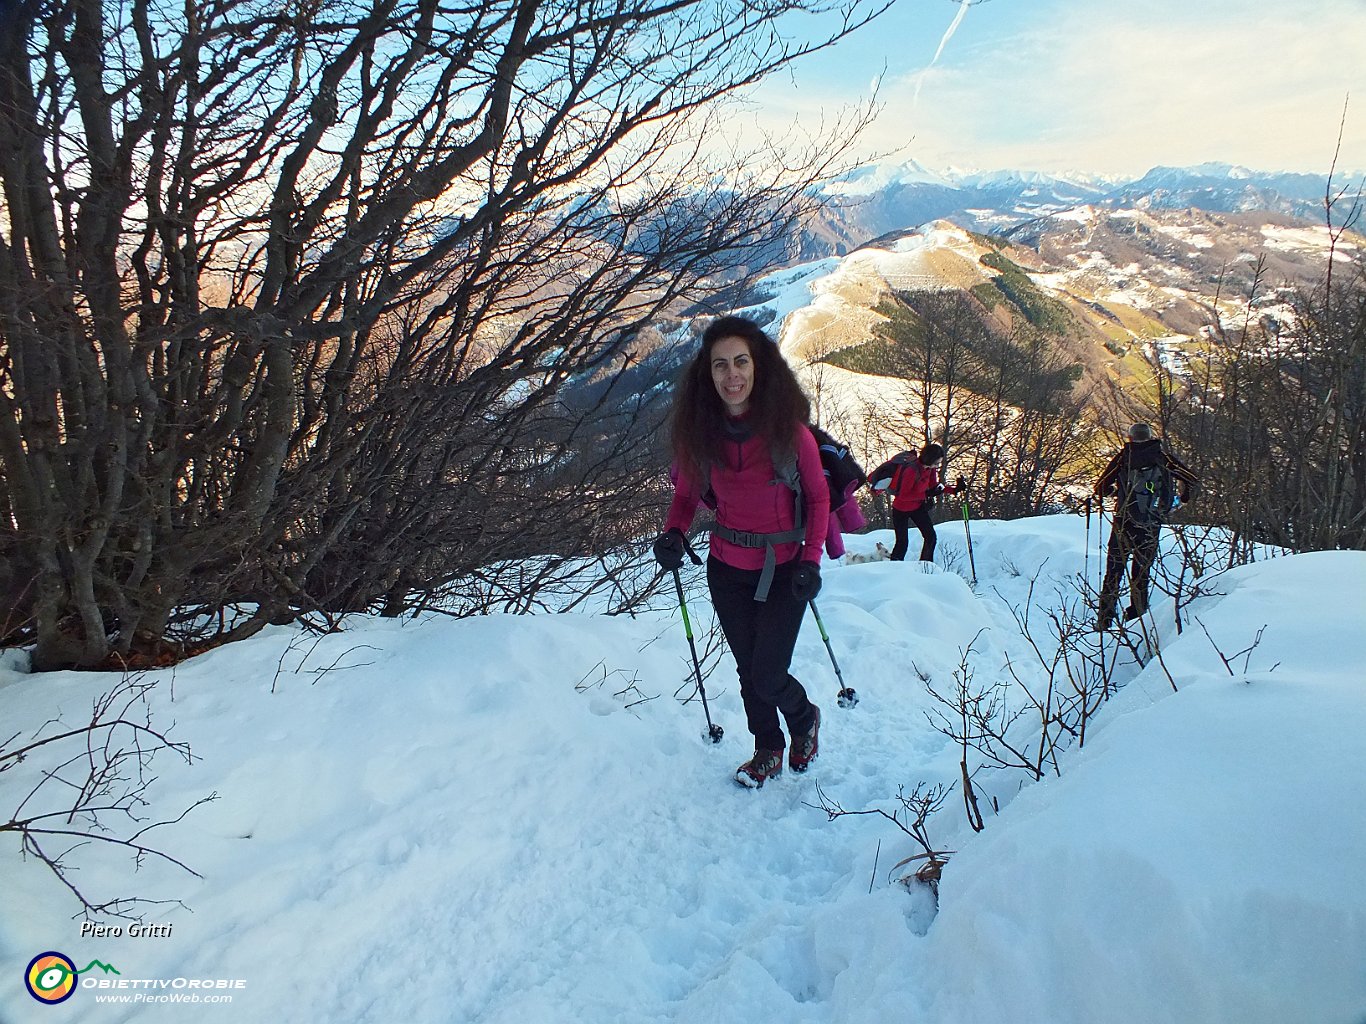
1099 86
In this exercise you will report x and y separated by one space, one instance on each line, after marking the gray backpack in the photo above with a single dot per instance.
1150 493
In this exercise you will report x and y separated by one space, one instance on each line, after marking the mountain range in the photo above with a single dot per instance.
871 201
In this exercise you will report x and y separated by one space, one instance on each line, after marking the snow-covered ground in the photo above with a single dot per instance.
506 819
1317 239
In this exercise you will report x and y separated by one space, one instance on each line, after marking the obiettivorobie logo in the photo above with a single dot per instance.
51 976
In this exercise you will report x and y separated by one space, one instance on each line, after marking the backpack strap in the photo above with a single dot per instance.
785 475
911 466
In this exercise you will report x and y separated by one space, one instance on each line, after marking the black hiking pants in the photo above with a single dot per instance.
901 524
1134 544
761 635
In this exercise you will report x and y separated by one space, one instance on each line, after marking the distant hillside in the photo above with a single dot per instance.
1117 272
1113 287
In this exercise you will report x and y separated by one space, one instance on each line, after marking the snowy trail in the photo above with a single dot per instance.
687 891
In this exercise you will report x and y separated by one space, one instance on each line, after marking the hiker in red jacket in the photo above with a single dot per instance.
739 415
914 486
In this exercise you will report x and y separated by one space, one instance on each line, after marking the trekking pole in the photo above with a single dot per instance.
714 732
1100 545
846 698
1103 557
1086 549
968 530
1100 557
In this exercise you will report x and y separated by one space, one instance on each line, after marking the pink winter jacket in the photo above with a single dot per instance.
749 499
912 484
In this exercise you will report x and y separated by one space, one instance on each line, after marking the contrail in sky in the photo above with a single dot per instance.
948 34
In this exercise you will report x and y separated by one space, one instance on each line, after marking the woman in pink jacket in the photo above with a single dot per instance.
739 415
914 486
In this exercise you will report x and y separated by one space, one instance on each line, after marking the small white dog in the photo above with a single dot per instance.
880 554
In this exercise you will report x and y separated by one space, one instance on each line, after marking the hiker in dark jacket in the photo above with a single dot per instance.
915 485
739 414
1135 532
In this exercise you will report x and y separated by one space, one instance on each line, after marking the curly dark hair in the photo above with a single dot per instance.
777 403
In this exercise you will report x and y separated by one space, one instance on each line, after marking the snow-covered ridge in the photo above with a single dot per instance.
871 177
875 177
828 304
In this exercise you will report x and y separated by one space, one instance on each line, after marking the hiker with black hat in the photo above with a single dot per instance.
915 484
740 439
1148 481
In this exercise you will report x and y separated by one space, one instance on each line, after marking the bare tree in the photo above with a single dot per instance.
88 786
314 306
1004 403
912 818
1274 418
1024 425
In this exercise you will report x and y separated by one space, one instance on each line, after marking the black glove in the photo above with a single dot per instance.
961 483
669 549
935 491
806 581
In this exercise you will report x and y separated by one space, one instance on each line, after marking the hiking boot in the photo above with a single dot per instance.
764 765
804 748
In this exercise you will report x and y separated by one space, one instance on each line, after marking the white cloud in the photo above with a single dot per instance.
1122 89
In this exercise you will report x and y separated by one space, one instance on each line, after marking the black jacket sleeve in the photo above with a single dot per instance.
1188 484
1109 477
